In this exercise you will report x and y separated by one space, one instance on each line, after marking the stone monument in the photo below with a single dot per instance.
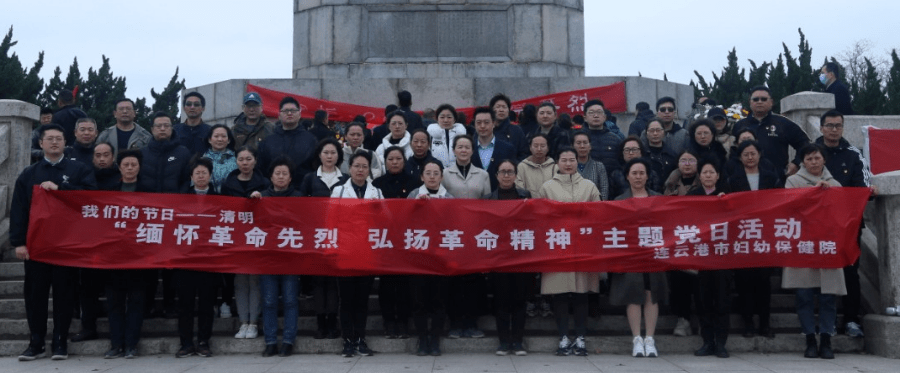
460 52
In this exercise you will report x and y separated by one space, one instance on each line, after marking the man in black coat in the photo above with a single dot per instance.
489 150
773 132
413 119
82 149
642 118
68 114
505 130
53 172
604 143
289 139
192 134
830 77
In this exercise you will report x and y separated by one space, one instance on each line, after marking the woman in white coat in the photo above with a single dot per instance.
443 133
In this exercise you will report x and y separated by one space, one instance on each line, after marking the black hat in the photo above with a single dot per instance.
716 112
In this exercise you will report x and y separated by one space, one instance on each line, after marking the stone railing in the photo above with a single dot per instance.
16 118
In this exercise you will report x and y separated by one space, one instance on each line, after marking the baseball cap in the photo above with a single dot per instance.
252 97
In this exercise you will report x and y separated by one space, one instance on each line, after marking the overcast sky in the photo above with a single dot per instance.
211 41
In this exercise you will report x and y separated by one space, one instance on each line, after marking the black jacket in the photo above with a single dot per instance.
321 132
313 186
841 97
846 164
66 117
164 167
522 194
413 119
80 153
640 122
513 134
298 145
192 137
699 191
774 134
713 150
556 139
604 148
67 174
502 150
289 192
768 179
663 160
108 178
414 165
397 185
618 184
232 186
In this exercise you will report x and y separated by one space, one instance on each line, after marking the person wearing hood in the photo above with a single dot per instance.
192 134
604 142
537 169
676 136
570 288
82 149
353 143
68 114
289 139
398 136
824 283
420 144
723 128
849 168
251 126
163 170
503 128
443 133
642 118
703 141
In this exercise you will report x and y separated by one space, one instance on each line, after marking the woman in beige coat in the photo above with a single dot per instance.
538 168
570 287
827 283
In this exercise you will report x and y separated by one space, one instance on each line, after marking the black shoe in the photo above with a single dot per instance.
203 349
708 349
32 353
84 335
349 348
185 351
435 346
721 351
812 349
114 353
363 348
765 331
60 353
825 350
287 349
131 353
424 347
271 350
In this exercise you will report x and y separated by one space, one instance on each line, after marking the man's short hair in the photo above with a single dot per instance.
288 100
86 120
159 114
593 102
65 96
121 100
107 143
833 68
390 109
194 94
47 127
136 153
404 98
641 106
830 114
500 97
760 88
46 110
665 100
483 110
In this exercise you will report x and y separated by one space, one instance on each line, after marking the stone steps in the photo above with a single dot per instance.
667 344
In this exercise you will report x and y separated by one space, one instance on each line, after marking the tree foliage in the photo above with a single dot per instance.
18 83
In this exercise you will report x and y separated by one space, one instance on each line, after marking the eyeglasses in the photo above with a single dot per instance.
760 99
193 103
595 113
631 150
833 126
688 161
432 174
290 111
666 109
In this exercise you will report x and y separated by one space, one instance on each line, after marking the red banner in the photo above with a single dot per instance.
774 228
571 102
883 150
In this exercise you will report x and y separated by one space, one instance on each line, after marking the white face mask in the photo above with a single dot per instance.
823 79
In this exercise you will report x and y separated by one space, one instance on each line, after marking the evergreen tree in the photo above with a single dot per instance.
892 90
808 76
777 82
167 100
101 90
48 96
701 88
16 82
73 79
757 76
141 113
870 100
731 86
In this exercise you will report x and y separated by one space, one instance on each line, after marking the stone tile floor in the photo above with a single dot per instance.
459 363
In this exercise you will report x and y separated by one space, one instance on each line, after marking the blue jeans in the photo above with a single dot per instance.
827 311
269 286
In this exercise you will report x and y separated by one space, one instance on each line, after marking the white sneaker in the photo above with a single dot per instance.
242 332
564 348
682 327
638 349
225 311
252 331
650 347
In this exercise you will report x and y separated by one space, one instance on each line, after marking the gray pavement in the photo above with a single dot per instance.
458 363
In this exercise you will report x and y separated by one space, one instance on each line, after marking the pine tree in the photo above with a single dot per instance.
870 100
731 86
101 90
48 96
73 79
16 82
892 90
167 100
777 82
807 75
701 88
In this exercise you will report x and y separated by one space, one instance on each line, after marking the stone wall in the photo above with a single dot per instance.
16 119
438 39
223 99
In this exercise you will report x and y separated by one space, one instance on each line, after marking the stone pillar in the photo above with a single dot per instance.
881 330
805 108
16 118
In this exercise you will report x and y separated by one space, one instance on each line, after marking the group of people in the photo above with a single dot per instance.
491 158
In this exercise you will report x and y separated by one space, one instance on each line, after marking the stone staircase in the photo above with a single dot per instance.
608 333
